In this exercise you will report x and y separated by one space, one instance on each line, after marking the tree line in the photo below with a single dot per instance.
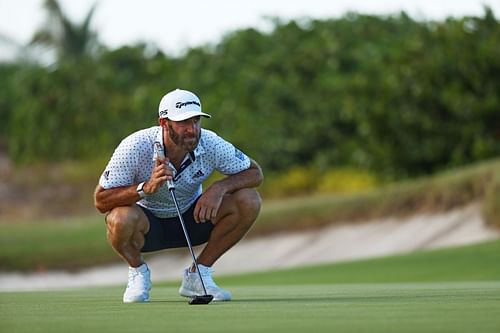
389 94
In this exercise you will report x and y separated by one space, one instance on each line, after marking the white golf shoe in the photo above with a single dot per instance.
139 285
191 284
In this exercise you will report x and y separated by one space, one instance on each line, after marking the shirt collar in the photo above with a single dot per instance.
199 150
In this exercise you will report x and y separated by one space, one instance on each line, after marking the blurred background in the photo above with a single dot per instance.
340 100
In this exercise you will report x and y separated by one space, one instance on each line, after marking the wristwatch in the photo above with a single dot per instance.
140 190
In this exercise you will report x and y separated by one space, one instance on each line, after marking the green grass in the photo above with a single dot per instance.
65 243
452 290
408 307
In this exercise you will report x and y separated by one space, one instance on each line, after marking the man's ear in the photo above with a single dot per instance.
163 122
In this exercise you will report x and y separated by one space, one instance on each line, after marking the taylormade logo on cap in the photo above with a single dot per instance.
179 105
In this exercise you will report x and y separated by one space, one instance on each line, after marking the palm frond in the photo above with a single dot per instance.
68 38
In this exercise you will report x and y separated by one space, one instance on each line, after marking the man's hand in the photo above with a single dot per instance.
208 205
161 173
210 201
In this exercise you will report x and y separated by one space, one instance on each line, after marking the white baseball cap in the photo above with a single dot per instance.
179 105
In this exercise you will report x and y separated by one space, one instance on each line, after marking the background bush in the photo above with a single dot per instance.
391 95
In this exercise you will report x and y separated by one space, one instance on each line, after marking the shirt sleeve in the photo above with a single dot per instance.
122 168
229 159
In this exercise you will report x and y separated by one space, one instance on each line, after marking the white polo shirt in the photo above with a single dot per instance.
133 162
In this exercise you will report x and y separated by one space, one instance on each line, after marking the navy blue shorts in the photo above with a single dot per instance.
166 233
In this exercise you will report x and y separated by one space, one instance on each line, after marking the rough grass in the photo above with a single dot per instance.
439 193
67 243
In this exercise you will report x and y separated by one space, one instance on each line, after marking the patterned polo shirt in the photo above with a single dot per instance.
134 159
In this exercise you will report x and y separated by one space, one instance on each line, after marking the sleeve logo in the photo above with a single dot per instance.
238 154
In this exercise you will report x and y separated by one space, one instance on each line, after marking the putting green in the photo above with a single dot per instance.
404 307
448 290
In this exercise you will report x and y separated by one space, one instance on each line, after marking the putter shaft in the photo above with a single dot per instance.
171 188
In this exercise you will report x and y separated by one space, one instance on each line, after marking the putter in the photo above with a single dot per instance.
199 299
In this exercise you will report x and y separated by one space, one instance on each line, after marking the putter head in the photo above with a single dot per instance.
203 299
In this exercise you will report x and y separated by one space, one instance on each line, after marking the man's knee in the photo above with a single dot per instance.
248 201
122 219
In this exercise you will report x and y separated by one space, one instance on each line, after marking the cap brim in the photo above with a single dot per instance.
187 115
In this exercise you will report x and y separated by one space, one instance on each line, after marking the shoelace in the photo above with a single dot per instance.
206 274
131 280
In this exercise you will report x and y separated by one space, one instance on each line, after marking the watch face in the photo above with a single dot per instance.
140 190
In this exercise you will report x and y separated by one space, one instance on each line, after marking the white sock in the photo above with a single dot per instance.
141 269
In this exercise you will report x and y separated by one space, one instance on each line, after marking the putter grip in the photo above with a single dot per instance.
159 154
159 151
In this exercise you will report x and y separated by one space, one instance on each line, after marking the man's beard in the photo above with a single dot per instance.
180 141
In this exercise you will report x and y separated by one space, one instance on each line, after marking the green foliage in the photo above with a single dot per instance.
300 180
290 182
491 203
7 100
346 181
387 94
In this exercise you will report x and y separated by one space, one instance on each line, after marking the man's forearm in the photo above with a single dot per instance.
251 177
106 200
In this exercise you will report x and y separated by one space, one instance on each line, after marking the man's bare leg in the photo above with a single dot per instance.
236 215
127 226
